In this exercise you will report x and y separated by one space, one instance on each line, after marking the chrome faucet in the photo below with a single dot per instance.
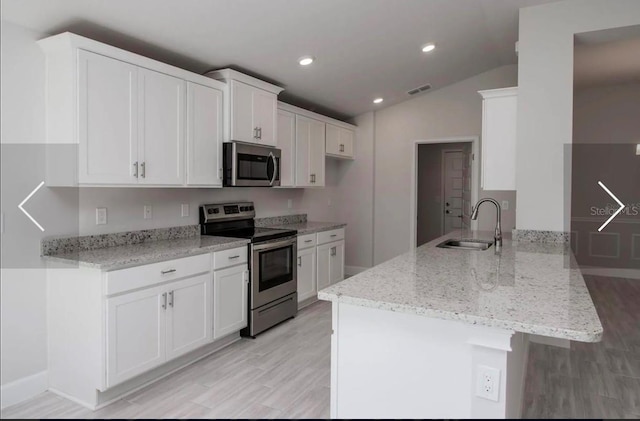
498 234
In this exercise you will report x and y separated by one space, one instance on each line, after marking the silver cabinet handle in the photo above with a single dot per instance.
333 251
259 132
164 272
164 301
334 235
171 299
299 261
255 132
144 169
341 148
135 171
313 178
308 241
234 257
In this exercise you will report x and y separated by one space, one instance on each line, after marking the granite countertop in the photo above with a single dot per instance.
120 257
310 227
529 287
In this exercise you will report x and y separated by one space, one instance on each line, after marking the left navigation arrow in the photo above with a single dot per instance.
25 201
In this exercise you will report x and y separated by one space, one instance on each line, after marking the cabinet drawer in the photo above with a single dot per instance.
328 236
155 273
305 241
231 257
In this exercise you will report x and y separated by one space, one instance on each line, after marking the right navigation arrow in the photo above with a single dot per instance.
614 198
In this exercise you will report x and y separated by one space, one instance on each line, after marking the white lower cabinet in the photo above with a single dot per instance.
307 287
149 327
230 300
330 263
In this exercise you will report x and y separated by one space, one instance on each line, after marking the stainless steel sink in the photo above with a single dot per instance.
466 244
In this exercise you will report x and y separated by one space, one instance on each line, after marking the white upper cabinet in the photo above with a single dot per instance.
499 115
161 128
115 118
339 142
287 145
252 110
310 150
107 120
204 135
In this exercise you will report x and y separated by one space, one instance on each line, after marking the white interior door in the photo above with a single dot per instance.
189 321
230 300
161 129
107 120
204 135
453 184
135 333
306 273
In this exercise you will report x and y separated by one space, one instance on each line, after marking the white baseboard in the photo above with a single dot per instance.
545 340
353 270
22 389
612 272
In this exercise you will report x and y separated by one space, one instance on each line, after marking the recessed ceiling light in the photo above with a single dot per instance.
305 61
428 48
378 100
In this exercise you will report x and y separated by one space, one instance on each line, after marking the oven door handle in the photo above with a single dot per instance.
275 168
267 246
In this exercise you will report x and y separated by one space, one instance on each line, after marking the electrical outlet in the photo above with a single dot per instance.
184 210
148 212
101 216
505 205
488 383
289 203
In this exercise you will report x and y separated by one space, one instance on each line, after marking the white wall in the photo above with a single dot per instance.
545 93
455 110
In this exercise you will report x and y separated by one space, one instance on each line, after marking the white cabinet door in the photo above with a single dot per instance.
346 142
333 140
242 127
310 150
107 120
499 115
324 266
230 300
265 115
135 333
307 274
161 105
204 136
286 144
339 141
336 262
189 321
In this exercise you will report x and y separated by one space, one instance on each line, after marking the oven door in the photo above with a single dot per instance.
251 165
273 271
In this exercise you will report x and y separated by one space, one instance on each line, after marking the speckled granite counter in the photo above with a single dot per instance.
310 227
112 258
529 287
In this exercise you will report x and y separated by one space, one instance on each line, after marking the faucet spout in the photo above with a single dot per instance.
498 231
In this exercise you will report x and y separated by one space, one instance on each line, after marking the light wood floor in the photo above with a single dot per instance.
284 373
600 380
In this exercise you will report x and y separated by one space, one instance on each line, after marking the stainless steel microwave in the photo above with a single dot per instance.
248 165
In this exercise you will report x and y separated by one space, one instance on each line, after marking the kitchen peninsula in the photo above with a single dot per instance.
444 333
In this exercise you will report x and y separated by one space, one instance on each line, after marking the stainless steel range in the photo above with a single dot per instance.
273 294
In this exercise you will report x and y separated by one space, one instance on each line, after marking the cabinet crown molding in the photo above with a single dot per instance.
495 93
229 74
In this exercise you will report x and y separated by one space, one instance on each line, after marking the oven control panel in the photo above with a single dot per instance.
226 211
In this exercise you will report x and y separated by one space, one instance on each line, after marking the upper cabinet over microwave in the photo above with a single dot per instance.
252 110
115 118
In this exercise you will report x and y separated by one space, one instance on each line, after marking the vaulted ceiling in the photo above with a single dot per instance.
364 48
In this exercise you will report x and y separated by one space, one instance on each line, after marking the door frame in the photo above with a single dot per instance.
475 179
442 186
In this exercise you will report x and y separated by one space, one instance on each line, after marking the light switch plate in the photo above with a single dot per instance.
101 216
184 209
148 212
505 205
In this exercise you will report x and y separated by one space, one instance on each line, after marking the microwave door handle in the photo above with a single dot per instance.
275 168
